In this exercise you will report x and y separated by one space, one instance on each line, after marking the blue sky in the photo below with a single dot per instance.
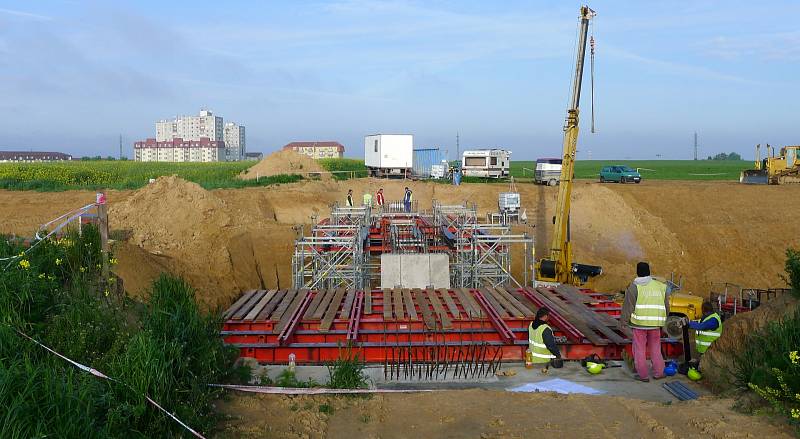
76 75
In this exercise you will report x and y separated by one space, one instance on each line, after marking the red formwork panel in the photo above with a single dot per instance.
489 316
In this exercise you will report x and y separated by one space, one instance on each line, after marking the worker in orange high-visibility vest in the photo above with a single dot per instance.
645 311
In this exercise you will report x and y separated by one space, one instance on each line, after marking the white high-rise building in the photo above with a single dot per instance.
191 127
234 142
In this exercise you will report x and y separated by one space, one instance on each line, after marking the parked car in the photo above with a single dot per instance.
619 174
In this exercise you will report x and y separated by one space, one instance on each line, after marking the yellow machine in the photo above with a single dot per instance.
559 267
785 168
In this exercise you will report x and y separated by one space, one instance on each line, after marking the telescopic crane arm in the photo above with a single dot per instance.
559 267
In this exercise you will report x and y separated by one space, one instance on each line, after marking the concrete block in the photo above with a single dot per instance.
415 270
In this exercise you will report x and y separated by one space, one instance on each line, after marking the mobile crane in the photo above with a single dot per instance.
559 267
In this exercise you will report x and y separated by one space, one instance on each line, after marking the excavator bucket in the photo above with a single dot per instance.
754 176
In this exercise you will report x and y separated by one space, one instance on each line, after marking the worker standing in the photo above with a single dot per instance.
645 310
379 198
541 342
408 198
707 330
367 199
349 198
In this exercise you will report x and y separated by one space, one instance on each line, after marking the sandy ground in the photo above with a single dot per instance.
485 414
226 241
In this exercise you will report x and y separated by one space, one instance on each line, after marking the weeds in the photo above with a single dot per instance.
326 408
793 271
347 372
287 378
166 349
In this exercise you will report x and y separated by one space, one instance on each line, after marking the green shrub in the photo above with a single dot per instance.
347 372
287 378
344 169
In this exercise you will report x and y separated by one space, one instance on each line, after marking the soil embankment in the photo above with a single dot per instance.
284 162
229 240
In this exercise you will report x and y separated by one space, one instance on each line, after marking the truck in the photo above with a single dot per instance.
490 163
548 171
389 155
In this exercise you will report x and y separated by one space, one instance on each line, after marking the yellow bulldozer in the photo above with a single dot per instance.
781 169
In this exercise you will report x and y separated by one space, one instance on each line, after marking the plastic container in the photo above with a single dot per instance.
292 363
528 359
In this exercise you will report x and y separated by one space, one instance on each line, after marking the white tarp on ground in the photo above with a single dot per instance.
557 385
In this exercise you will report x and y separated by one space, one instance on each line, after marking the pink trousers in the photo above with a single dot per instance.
647 341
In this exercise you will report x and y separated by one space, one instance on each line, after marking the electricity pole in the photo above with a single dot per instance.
695 145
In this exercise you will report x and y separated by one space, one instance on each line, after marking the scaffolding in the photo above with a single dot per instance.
343 251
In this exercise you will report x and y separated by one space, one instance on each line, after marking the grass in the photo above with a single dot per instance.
347 372
165 348
651 169
113 174
344 168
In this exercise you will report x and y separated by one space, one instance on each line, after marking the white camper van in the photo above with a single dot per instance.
491 163
548 171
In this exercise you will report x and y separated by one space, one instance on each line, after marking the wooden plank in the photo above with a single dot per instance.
593 319
427 315
495 304
412 311
238 304
348 303
245 309
260 305
325 325
397 301
526 302
556 304
368 301
513 300
323 306
467 301
387 304
320 294
574 294
437 306
451 305
508 306
271 305
298 298
284 305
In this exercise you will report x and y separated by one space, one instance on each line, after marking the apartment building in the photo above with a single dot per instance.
179 150
234 142
32 156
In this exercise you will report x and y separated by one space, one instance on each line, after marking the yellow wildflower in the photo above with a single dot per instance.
106 293
795 413
41 275
113 261
83 269
58 261
794 356
25 264
51 277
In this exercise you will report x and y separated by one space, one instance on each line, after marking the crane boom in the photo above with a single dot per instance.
559 266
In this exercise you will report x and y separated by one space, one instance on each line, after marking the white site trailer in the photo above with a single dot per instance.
491 163
389 155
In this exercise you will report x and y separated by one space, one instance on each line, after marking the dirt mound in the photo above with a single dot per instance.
284 162
179 227
718 360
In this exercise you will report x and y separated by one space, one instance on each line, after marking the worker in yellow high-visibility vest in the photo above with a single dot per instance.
541 342
645 311
707 329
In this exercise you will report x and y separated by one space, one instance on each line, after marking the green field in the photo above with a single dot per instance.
651 169
109 174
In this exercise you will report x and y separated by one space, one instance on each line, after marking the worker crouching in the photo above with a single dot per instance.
707 330
541 342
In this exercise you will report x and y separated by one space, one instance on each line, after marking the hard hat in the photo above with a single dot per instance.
594 368
694 375
670 369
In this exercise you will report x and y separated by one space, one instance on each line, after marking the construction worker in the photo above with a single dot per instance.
349 198
407 199
541 342
708 329
367 199
645 311
379 198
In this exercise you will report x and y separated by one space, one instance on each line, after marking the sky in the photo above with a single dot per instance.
75 75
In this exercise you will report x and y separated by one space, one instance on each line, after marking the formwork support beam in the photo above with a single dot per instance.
499 325
289 329
355 317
